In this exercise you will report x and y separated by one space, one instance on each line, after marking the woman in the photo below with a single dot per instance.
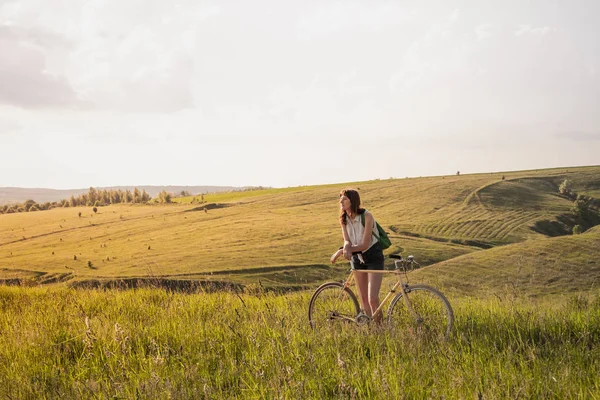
359 237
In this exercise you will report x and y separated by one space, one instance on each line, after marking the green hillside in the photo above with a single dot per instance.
546 266
284 237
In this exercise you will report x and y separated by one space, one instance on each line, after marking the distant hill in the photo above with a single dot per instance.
41 195
480 234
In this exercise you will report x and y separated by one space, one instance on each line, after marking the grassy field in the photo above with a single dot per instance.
149 343
535 268
282 237
527 305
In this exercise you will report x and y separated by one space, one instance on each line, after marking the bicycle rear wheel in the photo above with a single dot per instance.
330 304
431 316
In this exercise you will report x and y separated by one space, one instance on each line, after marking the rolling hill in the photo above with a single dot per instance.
463 226
545 266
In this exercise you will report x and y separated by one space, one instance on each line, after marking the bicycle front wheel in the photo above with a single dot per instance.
331 304
428 313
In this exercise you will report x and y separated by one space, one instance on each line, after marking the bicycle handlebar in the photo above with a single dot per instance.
408 261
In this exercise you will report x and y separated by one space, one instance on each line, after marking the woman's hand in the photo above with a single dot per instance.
336 255
347 250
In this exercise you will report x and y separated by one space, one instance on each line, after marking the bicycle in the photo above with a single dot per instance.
421 308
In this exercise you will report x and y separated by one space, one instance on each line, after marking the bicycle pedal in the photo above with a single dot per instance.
362 318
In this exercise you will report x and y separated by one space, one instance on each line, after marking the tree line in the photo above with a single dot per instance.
93 198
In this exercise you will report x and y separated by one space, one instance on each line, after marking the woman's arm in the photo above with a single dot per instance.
347 244
336 255
345 234
366 239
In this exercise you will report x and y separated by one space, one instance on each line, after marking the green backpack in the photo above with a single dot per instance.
381 236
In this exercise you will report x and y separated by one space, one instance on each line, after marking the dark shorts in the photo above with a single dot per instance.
373 259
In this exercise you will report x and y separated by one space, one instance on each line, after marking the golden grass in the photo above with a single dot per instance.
283 236
537 268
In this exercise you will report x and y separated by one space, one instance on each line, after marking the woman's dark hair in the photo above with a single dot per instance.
355 208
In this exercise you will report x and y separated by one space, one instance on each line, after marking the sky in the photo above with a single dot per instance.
281 93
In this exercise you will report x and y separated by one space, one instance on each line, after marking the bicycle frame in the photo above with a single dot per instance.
430 309
403 286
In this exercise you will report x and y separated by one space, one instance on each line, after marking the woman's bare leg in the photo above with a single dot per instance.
373 294
362 283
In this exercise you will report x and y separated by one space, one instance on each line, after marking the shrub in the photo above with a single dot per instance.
28 204
95 209
137 195
582 207
565 187
92 196
578 229
164 197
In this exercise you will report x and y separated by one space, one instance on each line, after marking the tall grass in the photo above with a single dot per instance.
148 343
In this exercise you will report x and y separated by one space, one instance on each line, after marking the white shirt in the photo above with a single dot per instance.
356 230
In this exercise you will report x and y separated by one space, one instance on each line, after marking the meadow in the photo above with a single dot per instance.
150 343
218 295
284 237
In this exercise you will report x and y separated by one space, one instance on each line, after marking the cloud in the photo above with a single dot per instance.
438 51
140 58
580 136
150 88
25 80
98 55
483 32
527 29
35 36
8 126
329 18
